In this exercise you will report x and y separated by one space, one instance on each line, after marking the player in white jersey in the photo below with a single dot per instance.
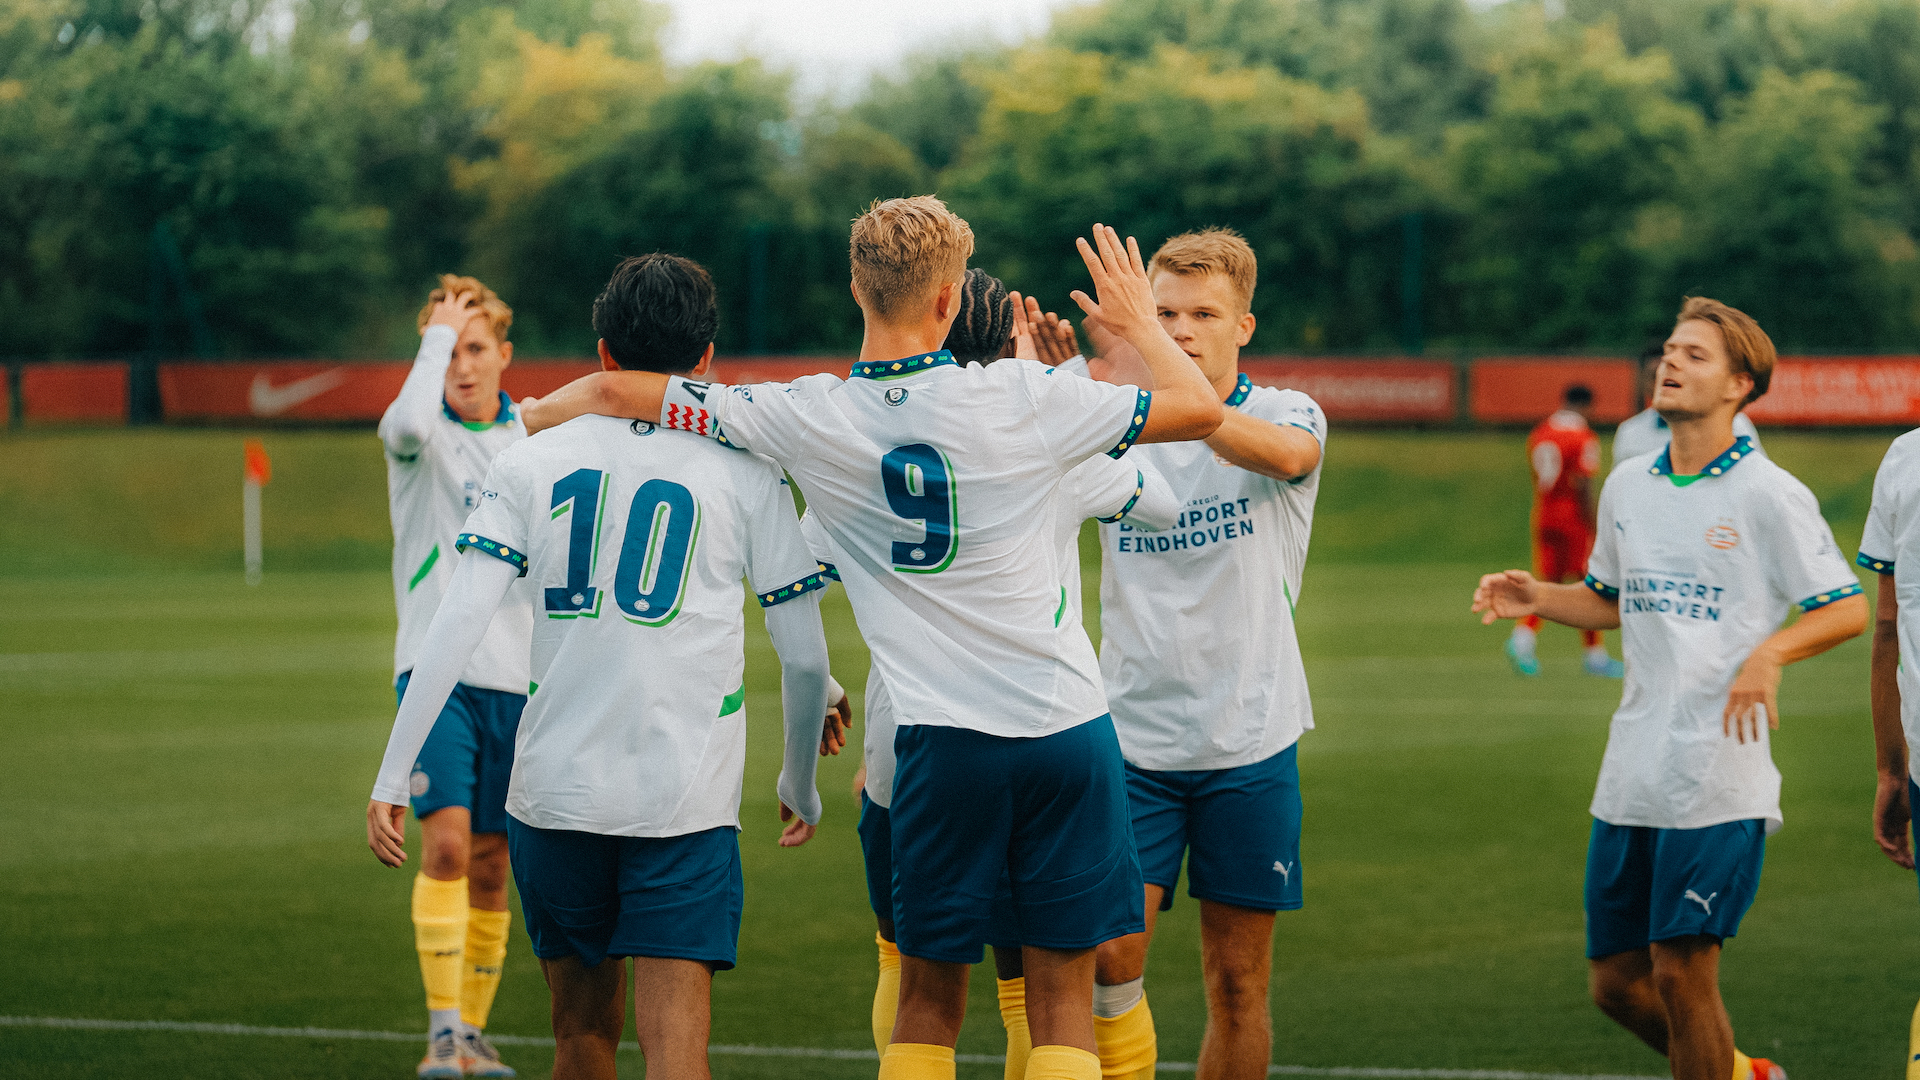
1100 487
940 484
1208 720
1645 432
1703 550
625 793
440 436
1891 549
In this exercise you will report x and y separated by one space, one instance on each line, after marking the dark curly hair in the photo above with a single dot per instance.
657 313
985 322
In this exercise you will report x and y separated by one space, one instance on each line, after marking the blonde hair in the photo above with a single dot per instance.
496 309
1211 251
901 249
1749 349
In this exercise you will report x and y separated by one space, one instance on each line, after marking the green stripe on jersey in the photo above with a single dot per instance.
420 575
1062 609
731 704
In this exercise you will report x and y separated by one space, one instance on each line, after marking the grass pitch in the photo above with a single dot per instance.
186 761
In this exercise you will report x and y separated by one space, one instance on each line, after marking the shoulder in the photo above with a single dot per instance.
1900 458
1776 488
1285 406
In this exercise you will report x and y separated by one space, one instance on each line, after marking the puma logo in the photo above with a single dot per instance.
1706 903
1285 870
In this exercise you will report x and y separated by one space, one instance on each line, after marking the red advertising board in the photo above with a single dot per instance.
1525 390
86 392
1814 391
1368 390
320 391
757 369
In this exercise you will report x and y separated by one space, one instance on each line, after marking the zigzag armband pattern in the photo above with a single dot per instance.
683 407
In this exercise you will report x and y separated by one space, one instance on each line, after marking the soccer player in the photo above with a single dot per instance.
440 435
1703 551
1565 455
1891 549
624 802
1100 487
1209 720
940 484
1645 432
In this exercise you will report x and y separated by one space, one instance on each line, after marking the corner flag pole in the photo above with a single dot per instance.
259 471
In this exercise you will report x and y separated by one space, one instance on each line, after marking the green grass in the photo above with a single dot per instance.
186 761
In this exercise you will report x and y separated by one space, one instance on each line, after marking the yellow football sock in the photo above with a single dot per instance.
486 951
1913 1046
1129 1049
1742 1065
440 936
886 994
916 1061
1062 1063
1013 1013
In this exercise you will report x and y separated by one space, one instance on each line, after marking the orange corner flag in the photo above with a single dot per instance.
259 466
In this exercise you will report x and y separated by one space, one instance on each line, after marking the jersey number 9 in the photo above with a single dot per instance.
919 483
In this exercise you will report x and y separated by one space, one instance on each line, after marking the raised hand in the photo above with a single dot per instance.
455 311
1024 328
1125 295
1510 594
1057 335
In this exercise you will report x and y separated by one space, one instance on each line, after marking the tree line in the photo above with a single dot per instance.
285 177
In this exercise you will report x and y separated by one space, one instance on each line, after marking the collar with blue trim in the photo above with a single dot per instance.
1240 391
505 415
1741 448
893 369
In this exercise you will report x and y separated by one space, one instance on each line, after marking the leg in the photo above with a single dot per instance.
440 918
933 1002
588 1012
876 851
1236 961
1124 959
1622 985
1686 974
672 1016
447 839
1010 984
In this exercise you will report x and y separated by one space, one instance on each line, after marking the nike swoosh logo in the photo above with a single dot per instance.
266 399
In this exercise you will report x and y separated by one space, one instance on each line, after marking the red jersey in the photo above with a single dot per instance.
1562 449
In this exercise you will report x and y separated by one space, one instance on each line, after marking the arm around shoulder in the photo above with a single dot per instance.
634 395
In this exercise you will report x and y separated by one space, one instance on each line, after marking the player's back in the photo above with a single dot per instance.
940 487
635 541
1561 449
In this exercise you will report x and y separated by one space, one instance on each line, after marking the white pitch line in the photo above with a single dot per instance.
189 1027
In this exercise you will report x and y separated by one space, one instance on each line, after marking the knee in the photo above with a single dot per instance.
1120 960
1612 994
487 872
1238 989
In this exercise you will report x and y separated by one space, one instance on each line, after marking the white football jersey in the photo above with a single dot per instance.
436 464
939 484
1646 433
1197 642
1704 573
1100 488
1891 545
634 541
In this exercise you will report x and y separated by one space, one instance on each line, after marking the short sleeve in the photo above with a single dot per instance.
1289 408
1603 565
779 566
819 544
1798 552
1080 417
768 418
1104 488
1877 544
499 526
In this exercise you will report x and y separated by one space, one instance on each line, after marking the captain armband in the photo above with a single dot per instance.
683 406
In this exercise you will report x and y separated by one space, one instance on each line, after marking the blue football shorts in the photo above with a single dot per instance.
1239 830
1646 885
595 896
1046 816
468 756
876 849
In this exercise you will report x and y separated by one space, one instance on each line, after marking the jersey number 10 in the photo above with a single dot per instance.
649 582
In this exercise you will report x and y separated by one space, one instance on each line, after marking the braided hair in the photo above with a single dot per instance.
985 322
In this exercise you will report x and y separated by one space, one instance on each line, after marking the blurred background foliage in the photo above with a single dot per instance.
284 177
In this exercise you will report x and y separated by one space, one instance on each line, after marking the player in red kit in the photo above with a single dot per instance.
1565 455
